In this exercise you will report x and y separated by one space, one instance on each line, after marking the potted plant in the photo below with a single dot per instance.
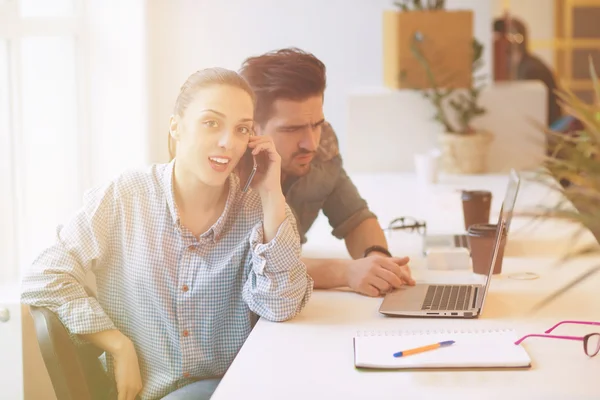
574 162
464 148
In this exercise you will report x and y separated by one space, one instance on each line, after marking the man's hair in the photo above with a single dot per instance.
290 74
499 25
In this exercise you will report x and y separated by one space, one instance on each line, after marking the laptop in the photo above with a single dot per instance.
455 240
452 300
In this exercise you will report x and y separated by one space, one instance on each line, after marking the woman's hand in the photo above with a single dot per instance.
267 180
127 372
127 369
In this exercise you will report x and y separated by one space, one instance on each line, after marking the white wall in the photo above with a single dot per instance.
400 124
187 35
11 364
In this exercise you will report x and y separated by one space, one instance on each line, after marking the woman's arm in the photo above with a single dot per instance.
274 214
278 286
56 280
126 364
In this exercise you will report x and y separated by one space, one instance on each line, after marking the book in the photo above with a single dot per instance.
479 348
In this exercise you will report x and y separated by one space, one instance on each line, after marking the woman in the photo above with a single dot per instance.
181 256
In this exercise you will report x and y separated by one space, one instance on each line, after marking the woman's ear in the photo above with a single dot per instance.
173 125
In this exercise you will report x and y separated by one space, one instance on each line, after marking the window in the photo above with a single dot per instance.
40 129
577 40
49 152
46 8
565 34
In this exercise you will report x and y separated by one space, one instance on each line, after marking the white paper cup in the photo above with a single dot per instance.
426 168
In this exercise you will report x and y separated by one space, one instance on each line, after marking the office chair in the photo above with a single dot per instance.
75 372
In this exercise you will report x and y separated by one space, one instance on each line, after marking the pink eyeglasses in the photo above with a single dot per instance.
591 341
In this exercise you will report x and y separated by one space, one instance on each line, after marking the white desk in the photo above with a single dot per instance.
311 356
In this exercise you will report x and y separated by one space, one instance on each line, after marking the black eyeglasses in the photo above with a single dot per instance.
409 224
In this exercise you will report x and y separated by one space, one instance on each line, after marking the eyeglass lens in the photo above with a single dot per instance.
592 344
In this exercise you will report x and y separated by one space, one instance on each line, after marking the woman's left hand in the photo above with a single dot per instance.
267 180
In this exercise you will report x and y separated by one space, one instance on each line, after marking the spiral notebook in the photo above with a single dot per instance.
493 348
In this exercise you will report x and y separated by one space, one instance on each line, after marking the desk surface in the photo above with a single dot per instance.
311 356
395 195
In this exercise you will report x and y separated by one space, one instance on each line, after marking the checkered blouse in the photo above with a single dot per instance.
185 302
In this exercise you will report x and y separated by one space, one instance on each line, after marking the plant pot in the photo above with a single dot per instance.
465 153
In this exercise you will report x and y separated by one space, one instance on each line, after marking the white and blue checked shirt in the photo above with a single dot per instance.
185 302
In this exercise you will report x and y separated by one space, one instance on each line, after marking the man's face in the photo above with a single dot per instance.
295 127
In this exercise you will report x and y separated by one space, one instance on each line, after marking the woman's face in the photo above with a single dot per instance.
212 135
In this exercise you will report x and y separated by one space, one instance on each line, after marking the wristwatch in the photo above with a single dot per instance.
377 248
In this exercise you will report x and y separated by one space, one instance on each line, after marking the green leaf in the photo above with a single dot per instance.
403 6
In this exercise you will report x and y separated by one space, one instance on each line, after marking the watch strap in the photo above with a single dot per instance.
377 248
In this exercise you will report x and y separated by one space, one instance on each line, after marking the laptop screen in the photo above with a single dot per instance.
503 226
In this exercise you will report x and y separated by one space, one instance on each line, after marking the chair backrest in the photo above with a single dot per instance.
76 372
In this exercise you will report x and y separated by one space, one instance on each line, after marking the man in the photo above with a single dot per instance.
524 65
290 86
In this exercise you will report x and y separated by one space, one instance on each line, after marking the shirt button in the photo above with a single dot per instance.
186 374
186 333
192 247
185 288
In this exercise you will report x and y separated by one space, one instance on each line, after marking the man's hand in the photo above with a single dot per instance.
127 371
376 275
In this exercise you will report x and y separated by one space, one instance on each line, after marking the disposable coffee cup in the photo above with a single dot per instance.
481 238
476 207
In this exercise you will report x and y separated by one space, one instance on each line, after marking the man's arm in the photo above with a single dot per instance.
332 272
365 235
372 275
327 273
352 221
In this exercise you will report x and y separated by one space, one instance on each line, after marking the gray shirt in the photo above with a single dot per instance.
326 187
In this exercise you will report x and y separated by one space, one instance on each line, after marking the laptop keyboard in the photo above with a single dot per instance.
447 297
461 241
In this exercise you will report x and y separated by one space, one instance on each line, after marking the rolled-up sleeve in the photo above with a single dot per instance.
56 279
278 286
344 207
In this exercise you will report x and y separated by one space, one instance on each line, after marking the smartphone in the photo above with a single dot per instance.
252 172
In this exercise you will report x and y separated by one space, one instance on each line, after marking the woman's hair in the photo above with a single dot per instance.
290 74
202 79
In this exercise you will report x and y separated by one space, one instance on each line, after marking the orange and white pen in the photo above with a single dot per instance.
424 348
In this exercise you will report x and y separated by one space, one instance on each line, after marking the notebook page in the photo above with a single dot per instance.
490 349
